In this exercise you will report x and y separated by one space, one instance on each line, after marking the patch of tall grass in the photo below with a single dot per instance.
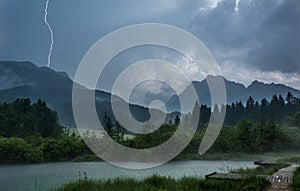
260 170
296 180
290 159
159 183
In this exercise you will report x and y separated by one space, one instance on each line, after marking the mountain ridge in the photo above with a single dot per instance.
25 79
234 91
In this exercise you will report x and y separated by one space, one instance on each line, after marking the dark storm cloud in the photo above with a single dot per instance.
263 34
258 39
77 25
24 34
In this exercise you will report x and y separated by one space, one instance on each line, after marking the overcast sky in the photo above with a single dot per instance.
250 39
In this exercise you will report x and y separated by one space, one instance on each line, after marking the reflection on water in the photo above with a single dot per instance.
53 175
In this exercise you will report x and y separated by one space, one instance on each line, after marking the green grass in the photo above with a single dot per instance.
260 170
87 158
211 156
296 180
290 159
231 156
158 183
218 156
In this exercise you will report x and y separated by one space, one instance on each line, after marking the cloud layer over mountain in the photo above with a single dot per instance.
251 39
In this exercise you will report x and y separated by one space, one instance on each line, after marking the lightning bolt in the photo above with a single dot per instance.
51 34
237 5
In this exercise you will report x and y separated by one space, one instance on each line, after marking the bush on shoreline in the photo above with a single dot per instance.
19 150
30 133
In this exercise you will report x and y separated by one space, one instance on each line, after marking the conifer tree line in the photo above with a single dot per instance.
30 132
254 127
279 109
22 118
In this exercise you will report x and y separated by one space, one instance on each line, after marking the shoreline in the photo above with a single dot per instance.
232 157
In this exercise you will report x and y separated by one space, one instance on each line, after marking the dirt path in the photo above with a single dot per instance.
285 173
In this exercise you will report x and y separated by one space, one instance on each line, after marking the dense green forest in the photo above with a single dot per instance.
22 119
279 109
30 132
253 128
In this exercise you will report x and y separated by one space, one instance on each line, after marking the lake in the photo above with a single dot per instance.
52 175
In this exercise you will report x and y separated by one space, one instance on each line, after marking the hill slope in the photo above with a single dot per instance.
24 79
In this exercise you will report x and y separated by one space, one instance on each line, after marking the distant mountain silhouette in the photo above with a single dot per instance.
236 91
26 80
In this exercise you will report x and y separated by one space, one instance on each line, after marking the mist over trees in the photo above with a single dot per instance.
30 132
279 109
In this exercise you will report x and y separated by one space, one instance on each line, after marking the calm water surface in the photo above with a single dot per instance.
52 175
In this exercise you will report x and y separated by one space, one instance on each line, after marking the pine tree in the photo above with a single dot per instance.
177 121
107 124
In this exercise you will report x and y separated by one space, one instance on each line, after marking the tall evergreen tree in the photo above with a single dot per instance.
107 124
250 109
177 120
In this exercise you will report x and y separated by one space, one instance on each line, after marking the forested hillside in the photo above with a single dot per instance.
30 132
